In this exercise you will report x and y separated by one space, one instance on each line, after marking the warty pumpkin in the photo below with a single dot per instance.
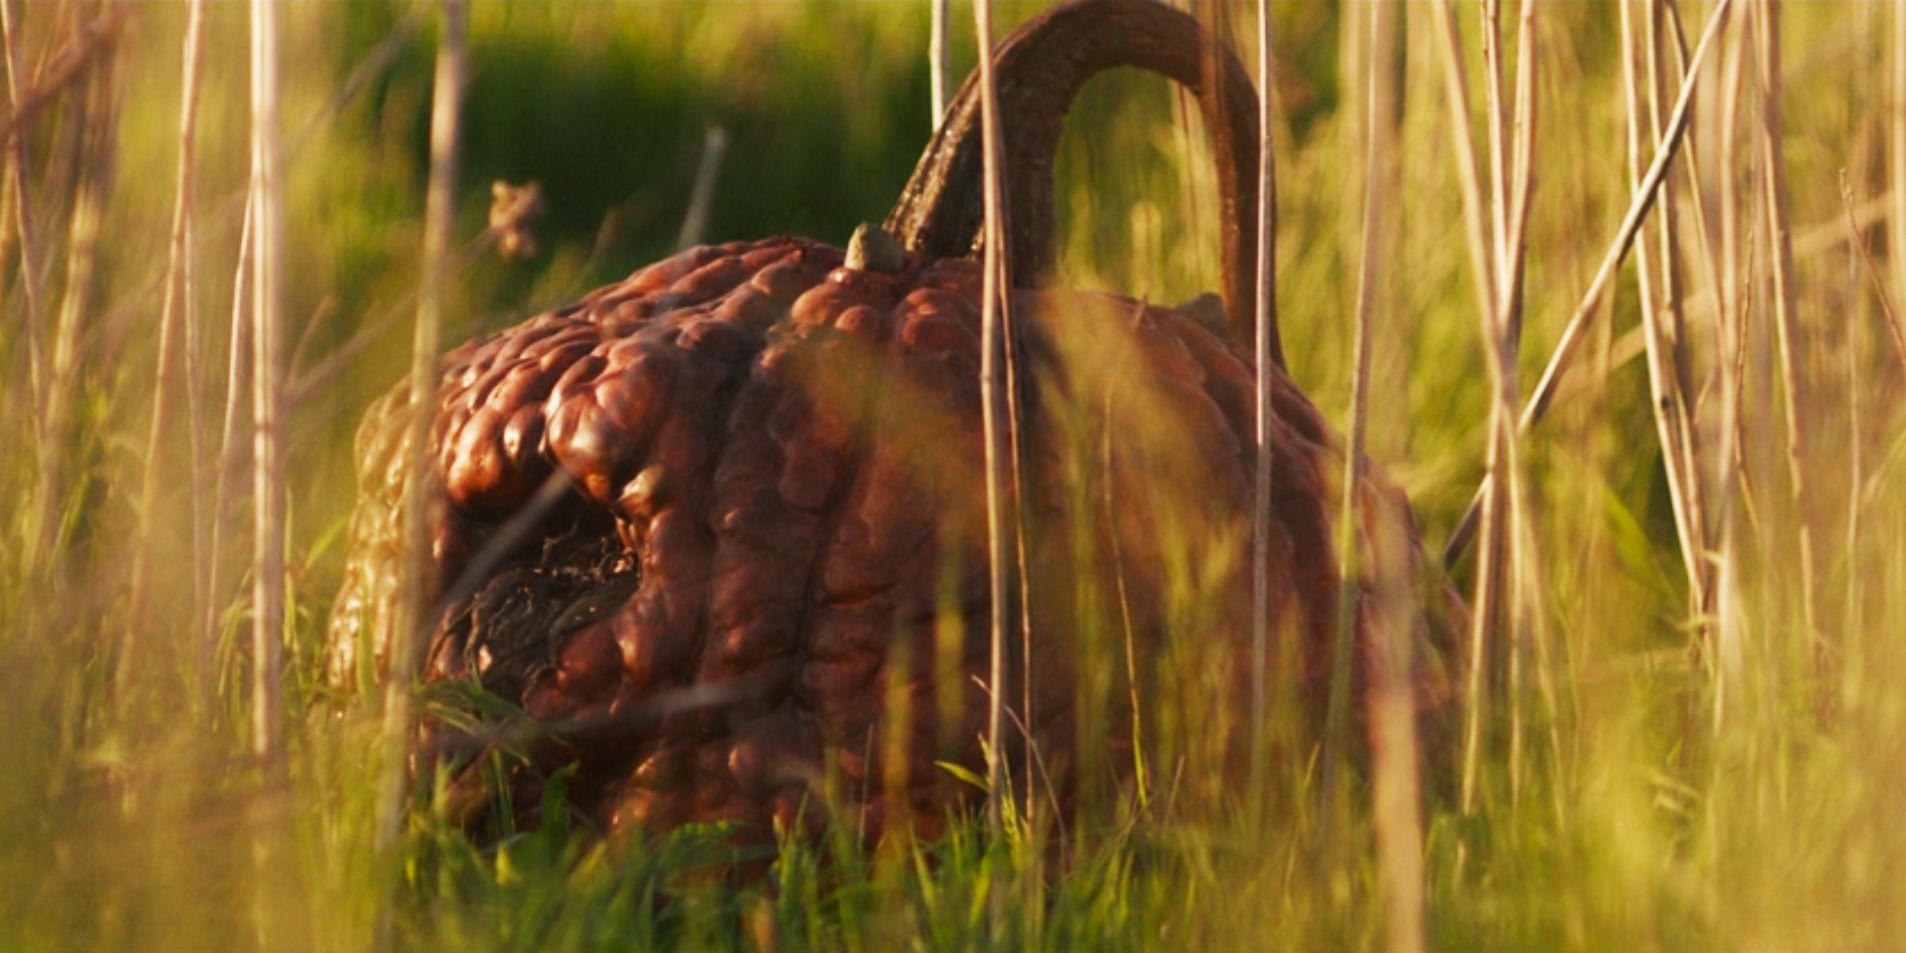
717 530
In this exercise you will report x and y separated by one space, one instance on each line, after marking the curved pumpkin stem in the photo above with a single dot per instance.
1040 70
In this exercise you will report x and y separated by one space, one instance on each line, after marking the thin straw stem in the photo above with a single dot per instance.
1523 579
1266 416
91 163
1897 127
1378 181
936 61
268 493
1730 339
1496 114
173 304
23 214
1482 261
415 595
225 465
1786 330
1654 271
996 285
1891 315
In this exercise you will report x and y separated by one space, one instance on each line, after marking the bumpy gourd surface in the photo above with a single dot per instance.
774 502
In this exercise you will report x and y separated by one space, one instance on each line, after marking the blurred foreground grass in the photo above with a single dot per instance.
130 819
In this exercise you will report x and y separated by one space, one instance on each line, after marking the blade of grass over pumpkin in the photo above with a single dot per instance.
173 312
1575 331
268 478
996 288
701 195
1391 698
1379 184
1391 701
414 609
1265 419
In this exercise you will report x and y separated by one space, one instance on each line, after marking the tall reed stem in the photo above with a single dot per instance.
1374 545
93 161
1896 125
172 311
1786 329
1660 310
1266 417
1730 351
1489 564
17 177
225 466
414 593
996 287
268 485
1351 560
936 61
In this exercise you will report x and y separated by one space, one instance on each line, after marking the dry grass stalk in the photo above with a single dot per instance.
997 285
20 201
1396 788
68 66
95 147
1576 330
1656 263
1496 115
1730 352
224 467
1379 182
1691 153
1265 420
1718 611
414 613
936 61
1786 328
1489 566
172 312
268 483
702 194
1896 126
1854 237
1524 573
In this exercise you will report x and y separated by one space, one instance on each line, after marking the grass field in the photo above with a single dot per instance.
1692 725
